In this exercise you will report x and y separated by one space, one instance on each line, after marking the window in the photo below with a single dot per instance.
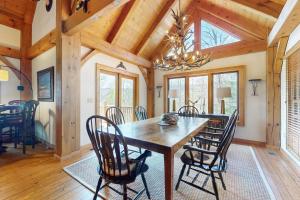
198 91
226 80
116 88
202 85
212 36
177 84
190 40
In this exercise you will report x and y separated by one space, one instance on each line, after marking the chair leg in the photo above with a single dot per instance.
33 136
145 184
222 180
24 141
124 192
180 176
98 188
140 150
188 171
215 185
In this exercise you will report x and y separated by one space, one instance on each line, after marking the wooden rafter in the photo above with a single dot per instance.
120 22
267 7
164 13
43 45
78 20
92 41
10 52
11 21
286 23
237 48
29 13
235 19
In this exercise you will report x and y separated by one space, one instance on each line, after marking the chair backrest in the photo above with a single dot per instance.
228 124
29 110
226 141
115 115
109 145
188 111
16 102
140 113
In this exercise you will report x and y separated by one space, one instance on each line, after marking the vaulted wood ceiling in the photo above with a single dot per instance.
140 25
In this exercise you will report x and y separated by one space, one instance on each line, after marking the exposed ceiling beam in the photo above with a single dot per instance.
78 20
92 41
267 7
281 2
164 13
43 45
233 30
237 48
235 19
11 21
29 13
120 22
287 21
9 52
281 47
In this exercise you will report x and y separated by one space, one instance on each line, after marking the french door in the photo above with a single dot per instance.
116 89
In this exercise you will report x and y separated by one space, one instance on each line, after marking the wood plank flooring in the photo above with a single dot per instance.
39 175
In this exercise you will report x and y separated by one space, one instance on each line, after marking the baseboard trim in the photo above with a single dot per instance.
249 142
83 148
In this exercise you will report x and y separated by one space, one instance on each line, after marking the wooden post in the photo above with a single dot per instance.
274 63
67 87
150 92
26 38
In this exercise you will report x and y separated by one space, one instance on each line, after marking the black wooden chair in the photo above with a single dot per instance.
114 164
29 117
115 115
213 136
188 111
140 113
208 162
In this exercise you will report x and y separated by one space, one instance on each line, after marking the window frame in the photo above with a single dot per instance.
241 71
118 74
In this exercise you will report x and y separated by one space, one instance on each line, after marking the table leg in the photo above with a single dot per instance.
169 172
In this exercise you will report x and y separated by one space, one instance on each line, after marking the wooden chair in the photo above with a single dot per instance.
115 115
209 138
29 117
140 113
114 164
208 162
188 111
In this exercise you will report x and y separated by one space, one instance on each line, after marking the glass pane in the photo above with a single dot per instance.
177 84
107 92
198 91
127 98
226 80
212 36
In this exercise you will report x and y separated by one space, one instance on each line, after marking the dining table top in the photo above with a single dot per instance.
151 135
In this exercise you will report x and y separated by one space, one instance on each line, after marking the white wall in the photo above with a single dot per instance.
10 37
8 89
43 21
294 40
46 110
255 106
88 84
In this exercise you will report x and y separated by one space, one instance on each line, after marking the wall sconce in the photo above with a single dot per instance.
254 84
159 90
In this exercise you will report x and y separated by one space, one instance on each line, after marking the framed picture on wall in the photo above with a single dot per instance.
45 84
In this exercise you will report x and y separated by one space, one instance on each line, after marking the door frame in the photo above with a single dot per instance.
119 74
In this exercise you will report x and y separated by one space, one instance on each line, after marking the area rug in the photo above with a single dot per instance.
244 178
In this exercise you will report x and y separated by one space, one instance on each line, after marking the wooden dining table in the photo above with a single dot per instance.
167 140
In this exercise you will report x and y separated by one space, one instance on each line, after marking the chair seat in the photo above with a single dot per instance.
109 171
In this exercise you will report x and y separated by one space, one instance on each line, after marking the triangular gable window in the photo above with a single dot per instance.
212 36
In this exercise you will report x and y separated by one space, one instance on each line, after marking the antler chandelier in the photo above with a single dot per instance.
179 58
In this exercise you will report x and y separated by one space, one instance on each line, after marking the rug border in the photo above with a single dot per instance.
261 172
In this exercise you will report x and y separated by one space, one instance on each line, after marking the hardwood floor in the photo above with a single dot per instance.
39 175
